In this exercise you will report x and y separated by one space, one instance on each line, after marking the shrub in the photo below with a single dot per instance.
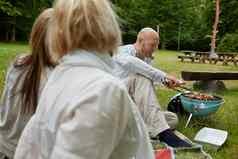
229 43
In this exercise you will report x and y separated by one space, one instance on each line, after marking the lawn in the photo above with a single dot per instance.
226 118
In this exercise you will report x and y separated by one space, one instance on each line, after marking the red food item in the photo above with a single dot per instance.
163 154
200 96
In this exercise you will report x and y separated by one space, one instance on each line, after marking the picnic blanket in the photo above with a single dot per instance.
162 151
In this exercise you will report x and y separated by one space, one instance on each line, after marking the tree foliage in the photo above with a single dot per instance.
185 22
21 14
192 18
9 9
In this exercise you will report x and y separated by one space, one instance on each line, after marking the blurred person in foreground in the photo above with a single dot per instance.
84 111
25 79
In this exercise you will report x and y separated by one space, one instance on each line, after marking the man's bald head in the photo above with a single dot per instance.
147 41
147 33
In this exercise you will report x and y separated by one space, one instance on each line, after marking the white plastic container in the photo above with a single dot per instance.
211 136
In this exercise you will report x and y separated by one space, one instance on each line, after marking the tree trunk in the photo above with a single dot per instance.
13 30
215 30
13 38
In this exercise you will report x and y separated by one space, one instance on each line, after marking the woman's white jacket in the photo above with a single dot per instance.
85 113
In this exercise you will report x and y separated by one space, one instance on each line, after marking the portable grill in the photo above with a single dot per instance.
198 107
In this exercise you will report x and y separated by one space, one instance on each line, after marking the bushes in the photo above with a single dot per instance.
129 37
229 43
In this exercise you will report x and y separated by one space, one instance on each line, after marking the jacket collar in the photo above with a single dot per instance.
85 58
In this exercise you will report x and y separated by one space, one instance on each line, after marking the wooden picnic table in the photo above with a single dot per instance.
224 58
227 57
188 55
188 52
202 57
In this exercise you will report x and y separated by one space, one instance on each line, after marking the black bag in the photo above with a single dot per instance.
175 105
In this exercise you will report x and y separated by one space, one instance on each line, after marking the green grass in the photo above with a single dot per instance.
226 118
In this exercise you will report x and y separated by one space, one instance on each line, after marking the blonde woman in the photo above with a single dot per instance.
24 81
84 112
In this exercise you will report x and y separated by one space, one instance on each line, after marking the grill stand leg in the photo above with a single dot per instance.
189 119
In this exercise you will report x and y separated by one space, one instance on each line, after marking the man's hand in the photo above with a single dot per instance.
172 82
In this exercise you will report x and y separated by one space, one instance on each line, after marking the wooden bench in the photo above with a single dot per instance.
209 81
192 76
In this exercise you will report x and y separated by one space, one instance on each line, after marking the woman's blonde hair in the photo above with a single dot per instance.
83 24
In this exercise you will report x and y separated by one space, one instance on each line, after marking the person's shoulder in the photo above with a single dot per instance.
125 50
14 71
98 78
110 82
12 77
16 66
21 60
126 47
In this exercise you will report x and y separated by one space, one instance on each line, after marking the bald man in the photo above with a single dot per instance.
133 66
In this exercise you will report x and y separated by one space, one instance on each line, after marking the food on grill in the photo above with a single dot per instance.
200 96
